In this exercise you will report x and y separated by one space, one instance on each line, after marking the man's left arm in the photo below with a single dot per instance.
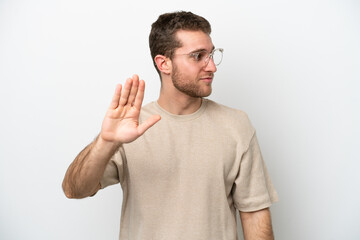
257 225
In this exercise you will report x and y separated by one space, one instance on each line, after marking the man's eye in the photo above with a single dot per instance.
199 56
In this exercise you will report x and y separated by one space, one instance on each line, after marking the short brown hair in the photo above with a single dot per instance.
162 38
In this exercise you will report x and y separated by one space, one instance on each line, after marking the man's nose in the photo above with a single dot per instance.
210 66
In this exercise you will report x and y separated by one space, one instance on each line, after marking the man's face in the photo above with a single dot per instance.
194 78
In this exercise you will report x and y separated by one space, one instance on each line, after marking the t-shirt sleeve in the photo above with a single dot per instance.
114 171
253 189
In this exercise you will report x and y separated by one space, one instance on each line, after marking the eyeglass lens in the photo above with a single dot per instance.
217 56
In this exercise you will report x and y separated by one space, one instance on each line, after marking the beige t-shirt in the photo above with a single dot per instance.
186 175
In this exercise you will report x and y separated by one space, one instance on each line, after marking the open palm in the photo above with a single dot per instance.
121 122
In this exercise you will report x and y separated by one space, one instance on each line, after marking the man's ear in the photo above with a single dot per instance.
163 64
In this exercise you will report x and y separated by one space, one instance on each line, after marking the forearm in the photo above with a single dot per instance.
83 176
257 225
120 125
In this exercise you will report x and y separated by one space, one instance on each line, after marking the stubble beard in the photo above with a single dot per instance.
189 88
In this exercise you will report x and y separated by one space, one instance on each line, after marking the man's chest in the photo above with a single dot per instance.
194 154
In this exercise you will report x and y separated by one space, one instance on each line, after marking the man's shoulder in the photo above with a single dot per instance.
216 116
226 111
232 118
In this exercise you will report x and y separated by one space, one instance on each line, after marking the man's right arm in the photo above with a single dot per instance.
120 125
83 176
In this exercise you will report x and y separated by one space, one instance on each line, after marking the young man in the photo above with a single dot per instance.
185 177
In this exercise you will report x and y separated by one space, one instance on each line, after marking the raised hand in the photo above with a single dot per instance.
121 122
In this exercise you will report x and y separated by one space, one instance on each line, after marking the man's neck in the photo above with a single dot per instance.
178 103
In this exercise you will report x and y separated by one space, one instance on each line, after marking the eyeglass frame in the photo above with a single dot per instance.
207 59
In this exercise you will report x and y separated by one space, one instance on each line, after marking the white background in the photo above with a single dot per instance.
293 66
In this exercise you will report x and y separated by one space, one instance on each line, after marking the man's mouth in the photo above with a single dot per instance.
207 78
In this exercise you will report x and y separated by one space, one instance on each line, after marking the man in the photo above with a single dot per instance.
185 177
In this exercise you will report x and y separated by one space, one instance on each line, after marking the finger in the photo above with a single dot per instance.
125 92
134 89
140 95
148 123
115 100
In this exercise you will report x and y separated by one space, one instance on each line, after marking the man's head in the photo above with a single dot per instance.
163 40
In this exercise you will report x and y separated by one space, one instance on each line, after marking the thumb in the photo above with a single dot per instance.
148 123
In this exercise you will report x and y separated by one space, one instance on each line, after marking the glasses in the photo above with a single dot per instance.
204 56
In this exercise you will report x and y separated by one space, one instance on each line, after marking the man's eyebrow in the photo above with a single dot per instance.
201 50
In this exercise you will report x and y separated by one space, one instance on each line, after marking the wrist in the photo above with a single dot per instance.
103 144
